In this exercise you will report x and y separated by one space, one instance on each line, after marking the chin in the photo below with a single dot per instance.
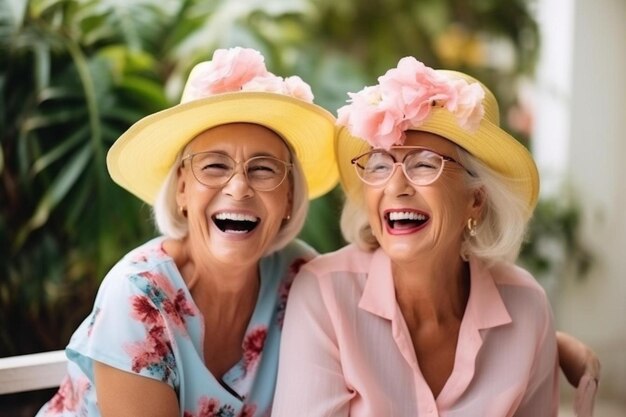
400 251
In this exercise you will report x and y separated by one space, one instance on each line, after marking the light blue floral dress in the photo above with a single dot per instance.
144 321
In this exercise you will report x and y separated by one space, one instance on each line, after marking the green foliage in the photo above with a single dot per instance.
75 74
553 240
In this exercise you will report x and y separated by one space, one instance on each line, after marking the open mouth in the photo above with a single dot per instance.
405 220
235 222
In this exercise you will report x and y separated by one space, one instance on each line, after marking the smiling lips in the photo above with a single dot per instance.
238 223
405 221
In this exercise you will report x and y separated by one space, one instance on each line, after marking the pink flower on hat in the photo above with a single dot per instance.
296 87
404 99
240 69
372 116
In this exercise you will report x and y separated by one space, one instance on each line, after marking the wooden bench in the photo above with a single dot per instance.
32 372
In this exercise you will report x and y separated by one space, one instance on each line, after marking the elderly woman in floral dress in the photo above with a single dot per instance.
188 324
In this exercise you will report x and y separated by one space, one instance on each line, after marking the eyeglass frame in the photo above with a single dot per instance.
444 159
288 167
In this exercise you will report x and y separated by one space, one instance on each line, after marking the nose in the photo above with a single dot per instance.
398 183
237 186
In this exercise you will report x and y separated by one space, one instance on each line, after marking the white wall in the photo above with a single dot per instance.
580 138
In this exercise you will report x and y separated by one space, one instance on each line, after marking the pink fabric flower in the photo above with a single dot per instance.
371 116
240 69
230 69
466 109
296 87
404 99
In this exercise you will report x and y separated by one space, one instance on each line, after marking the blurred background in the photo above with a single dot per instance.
75 74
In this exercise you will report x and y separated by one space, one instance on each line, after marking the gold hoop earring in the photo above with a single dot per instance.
471 226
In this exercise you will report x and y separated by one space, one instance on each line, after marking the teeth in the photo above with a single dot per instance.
406 215
235 217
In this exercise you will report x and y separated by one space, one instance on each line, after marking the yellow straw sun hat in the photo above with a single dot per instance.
447 103
233 87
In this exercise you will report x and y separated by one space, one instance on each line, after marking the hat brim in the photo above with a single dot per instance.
141 158
489 143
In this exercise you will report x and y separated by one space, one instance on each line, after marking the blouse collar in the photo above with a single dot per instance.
485 306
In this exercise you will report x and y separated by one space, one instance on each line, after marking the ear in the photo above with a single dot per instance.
181 197
289 205
478 202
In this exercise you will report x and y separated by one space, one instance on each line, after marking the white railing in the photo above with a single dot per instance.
32 372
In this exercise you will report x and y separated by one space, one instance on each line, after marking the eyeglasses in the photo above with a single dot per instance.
421 166
263 173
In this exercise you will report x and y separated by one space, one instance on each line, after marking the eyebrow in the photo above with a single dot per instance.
225 153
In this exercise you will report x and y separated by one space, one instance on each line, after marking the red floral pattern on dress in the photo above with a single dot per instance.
285 286
143 310
248 410
159 301
253 346
68 397
210 407
151 353
173 303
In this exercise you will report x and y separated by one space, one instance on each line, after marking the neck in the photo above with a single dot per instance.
204 275
433 291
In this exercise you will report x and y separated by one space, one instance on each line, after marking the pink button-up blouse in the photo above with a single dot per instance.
346 349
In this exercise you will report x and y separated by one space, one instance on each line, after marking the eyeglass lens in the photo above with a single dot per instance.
263 173
421 166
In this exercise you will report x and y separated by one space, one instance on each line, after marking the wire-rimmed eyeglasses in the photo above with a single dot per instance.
213 169
421 166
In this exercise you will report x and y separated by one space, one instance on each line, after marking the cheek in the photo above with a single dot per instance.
371 199
453 204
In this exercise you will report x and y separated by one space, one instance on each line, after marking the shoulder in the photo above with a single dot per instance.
141 270
336 277
508 274
524 297
350 259
282 265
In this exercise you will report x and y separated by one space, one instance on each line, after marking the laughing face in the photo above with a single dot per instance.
233 222
410 221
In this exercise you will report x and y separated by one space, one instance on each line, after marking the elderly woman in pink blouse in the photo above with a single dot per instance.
424 313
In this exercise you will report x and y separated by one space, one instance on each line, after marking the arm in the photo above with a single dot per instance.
541 398
123 394
581 367
576 359
310 377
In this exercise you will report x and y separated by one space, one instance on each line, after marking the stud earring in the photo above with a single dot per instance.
471 226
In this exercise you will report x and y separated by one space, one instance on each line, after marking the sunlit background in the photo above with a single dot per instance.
75 74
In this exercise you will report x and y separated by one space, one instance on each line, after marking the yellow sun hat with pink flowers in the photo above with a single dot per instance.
450 104
234 86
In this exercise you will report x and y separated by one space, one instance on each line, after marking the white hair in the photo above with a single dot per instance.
499 232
